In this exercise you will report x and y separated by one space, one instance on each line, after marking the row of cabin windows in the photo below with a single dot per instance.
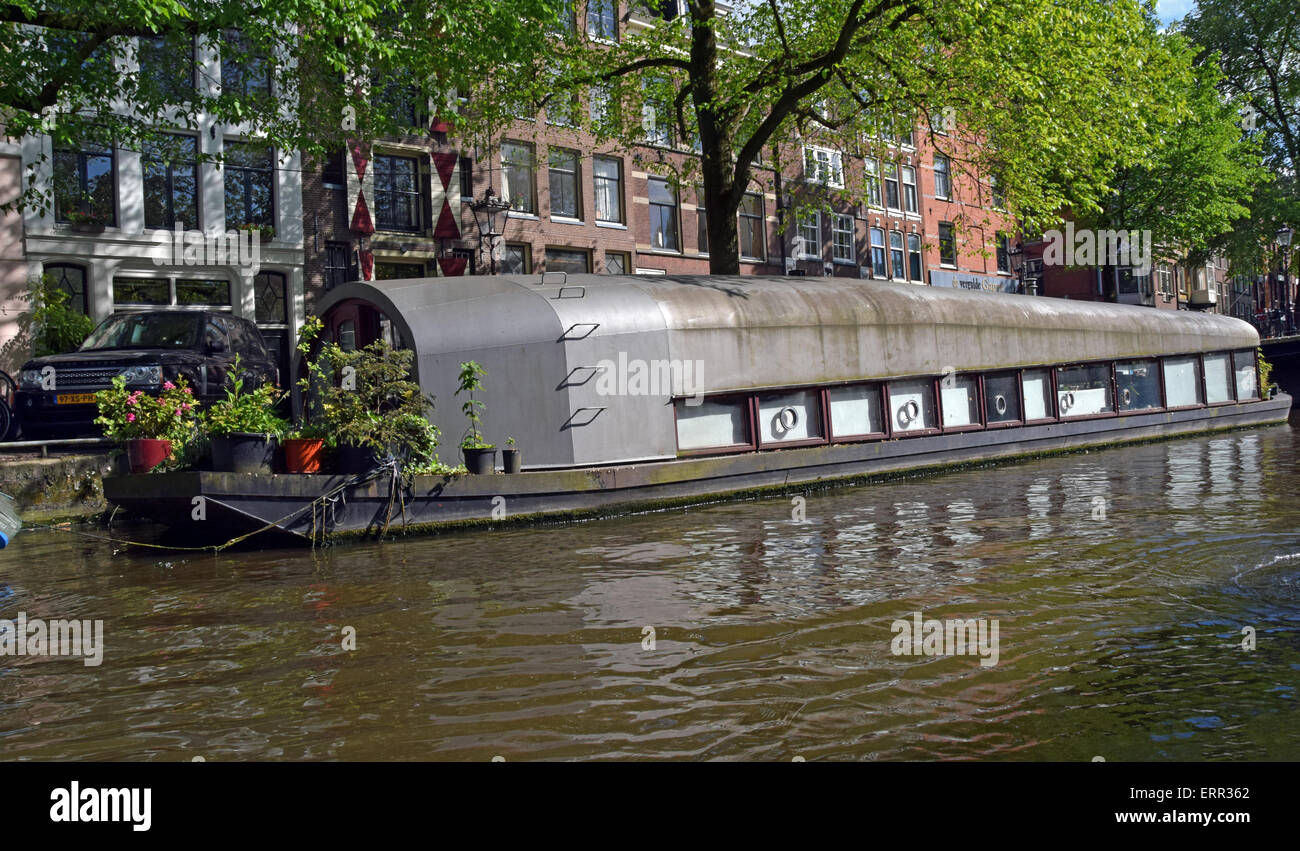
959 402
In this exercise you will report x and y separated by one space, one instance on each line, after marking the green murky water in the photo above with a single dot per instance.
1119 635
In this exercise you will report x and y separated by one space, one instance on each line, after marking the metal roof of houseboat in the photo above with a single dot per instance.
541 343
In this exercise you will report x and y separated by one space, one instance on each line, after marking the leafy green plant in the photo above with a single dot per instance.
367 399
245 413
469 380
127 415
263 231
58 327
434 467
1265 374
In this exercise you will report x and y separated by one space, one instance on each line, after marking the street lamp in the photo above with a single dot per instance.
488 212
1284 235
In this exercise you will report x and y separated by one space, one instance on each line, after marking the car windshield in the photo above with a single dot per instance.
145 331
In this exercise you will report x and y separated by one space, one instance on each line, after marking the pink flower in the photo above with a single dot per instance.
130 418
187 406
178 412
188 391
131 400
167 385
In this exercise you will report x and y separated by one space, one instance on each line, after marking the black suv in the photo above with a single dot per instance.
56 393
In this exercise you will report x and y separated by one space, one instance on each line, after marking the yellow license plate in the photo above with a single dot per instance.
74 399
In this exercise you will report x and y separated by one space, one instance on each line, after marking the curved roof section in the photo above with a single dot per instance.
758 331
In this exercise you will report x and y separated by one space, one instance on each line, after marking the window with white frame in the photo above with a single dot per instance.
842 238
602 19
565 183
607 179
822 165
909 189
896 260
518 181
810 234
878 267
871 167
942 177
891 187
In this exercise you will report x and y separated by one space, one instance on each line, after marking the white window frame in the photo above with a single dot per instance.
845 251
816 243
824 166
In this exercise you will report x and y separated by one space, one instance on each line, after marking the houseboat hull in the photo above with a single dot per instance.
304 508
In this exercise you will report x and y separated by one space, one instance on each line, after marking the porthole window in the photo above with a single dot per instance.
788 417
911 405
1083 391
1002 398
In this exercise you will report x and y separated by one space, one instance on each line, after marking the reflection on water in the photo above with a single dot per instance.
1122 581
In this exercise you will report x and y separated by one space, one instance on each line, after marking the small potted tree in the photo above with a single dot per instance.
152 429
304 446
511 458
244 428
480 457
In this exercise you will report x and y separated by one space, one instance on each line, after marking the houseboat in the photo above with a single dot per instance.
629 393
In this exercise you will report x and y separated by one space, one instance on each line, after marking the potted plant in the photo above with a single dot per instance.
244 427
480 457
153 429
304 449
372 408
262 233
511 458
84 220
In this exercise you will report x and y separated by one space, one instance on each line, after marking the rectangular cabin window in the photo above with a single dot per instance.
1218 378
1001 398
1182 382
1138 385
960 395
911 405
786 417
856 411
1038 395
1083 390
713 424
1243 363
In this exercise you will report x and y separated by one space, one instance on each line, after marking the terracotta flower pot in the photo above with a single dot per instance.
303 454
143 454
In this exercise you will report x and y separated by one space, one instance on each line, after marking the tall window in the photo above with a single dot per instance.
244 70
914 257
942 177
947 244
663 215
518 185
896 255
602 19
995 191
249 173
84 186
171 181
842 237
1004 255
599 101
338 264
565 182
872 167
656 116
878 267
810 233
909 189
168 63
396 100
891 186
702 229
607 175
397 193
822 165
72 280
751 226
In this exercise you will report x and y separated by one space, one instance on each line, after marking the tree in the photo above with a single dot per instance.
1052 96
332 67
1200 178
1256 43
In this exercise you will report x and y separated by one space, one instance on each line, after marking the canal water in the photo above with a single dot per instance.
1147 600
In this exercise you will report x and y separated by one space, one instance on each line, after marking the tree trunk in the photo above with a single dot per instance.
717 165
